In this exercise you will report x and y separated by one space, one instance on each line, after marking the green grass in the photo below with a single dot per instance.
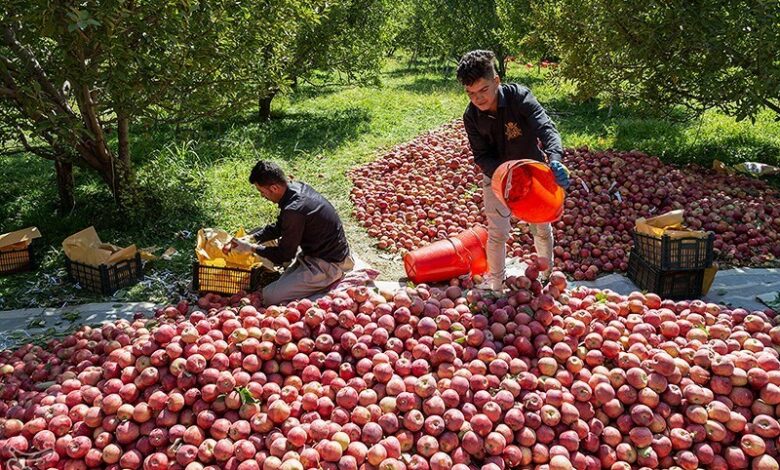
197 177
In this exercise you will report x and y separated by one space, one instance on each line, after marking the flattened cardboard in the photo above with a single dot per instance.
85 247
669 223
19 239
709 278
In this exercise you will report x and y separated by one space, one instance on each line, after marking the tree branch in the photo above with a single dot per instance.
34 67
769 104
40 151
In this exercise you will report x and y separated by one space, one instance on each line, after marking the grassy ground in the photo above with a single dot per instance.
191 178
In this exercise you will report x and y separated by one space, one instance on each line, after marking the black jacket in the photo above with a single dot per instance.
306 220
514 132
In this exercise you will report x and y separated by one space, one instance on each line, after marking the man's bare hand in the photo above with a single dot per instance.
240 246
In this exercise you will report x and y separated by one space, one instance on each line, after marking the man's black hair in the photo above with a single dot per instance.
475 65
266 173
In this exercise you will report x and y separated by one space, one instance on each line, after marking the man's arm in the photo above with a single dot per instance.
291 226
484 153
542 125
264 234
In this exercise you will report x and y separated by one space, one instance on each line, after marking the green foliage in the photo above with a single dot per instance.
79 80
348 37
246 395
446 29
417 32
704 54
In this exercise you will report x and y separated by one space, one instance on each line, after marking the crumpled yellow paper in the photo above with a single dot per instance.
209 251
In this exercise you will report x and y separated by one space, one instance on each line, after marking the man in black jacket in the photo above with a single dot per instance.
307 221
505 122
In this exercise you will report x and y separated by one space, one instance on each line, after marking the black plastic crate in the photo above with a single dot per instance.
106 279
678 254
16 261
676 285
229 281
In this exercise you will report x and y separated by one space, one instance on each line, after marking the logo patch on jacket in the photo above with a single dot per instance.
512 131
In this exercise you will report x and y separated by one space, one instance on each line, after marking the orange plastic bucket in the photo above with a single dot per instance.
446 259
475 241
529 190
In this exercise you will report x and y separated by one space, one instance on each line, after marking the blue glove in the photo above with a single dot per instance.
561 173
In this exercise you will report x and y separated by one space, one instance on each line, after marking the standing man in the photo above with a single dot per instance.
505 122
306 221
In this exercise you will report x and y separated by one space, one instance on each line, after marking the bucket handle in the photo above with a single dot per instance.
508 185
467 259
476 235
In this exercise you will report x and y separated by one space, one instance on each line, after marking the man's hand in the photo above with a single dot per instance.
240 246
561 174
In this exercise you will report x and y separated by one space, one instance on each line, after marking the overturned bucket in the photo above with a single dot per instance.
529 190
445 259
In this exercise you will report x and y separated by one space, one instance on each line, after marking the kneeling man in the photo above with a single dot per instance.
307 229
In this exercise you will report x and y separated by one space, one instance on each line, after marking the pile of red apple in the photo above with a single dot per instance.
429 189
422 378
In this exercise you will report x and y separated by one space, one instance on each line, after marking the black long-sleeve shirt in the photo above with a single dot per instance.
306 220
511 133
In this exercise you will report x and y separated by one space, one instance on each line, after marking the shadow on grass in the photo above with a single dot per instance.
431 84
627 126
289 135
29 196
422 67
666 135
657 138
730 150
306 91
298 134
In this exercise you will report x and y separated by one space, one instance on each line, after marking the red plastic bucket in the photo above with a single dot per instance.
446 259
529 190
475 240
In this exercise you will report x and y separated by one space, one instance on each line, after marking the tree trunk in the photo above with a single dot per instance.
113 170
65 185
264 111
94 149
501 67
117 176
412 60
123 131
123 170
77 127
